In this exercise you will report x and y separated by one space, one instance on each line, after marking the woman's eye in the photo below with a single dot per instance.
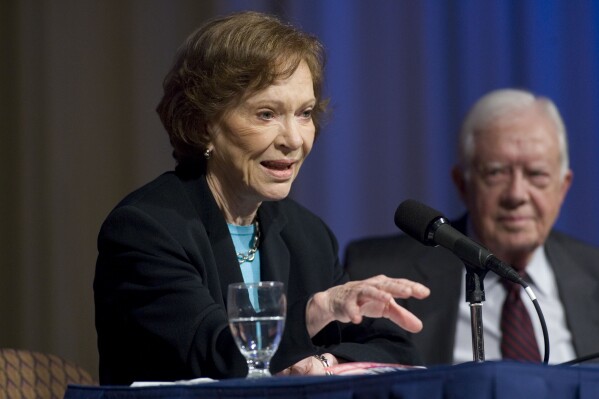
307 114
266 115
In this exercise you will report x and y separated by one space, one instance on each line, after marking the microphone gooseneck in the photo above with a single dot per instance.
430 227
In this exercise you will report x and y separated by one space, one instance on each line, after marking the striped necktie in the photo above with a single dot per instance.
518 340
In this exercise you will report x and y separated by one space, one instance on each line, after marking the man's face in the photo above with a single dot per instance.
515 188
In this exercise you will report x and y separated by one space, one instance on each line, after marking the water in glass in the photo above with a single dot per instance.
257 318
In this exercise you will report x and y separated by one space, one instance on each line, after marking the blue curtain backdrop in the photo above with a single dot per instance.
401 75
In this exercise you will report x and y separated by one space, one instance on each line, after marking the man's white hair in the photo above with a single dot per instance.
500 103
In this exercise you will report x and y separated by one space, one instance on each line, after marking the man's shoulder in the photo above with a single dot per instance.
570 243
574 249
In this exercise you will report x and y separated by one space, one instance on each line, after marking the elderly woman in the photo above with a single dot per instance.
242 106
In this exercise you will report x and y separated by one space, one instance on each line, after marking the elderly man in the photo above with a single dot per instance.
513 175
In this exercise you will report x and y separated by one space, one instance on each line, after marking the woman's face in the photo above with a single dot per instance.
259 145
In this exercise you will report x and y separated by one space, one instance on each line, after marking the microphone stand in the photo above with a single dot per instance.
475 295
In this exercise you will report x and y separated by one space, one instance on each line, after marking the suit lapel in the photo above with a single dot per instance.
579 293
442 272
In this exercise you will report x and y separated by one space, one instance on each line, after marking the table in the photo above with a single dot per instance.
487 380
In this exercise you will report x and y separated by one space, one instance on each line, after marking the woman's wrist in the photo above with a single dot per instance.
317 315
325 363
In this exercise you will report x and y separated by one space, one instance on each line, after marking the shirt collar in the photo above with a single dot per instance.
540 273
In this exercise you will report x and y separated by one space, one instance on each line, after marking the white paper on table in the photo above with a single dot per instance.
194 381
368 368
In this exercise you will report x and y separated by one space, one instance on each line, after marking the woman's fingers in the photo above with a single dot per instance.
403 318
399 287
374 297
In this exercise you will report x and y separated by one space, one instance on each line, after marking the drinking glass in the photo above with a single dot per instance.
257 318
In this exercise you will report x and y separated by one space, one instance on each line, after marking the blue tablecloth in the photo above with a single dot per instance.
488 380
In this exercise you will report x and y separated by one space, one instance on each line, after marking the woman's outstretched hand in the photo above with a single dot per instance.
373 297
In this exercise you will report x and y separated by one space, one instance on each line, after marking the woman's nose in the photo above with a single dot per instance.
290 136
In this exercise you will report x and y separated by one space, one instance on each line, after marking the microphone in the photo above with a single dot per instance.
430 227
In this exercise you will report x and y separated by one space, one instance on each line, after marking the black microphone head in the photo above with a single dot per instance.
415 219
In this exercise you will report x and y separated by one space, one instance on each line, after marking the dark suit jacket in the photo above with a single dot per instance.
576 267
165 261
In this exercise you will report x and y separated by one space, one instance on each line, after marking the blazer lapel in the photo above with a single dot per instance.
223 249
275 259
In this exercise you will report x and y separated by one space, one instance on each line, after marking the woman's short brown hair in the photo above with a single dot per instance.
224 60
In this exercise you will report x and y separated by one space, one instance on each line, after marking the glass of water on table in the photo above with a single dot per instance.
257 318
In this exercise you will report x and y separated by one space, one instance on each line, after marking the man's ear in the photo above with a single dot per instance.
566 184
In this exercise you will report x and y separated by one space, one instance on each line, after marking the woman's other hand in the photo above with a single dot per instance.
310 366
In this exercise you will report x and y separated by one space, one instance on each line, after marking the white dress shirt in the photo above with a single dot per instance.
544 286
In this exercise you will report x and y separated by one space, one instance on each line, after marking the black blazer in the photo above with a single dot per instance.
575 264
165 261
